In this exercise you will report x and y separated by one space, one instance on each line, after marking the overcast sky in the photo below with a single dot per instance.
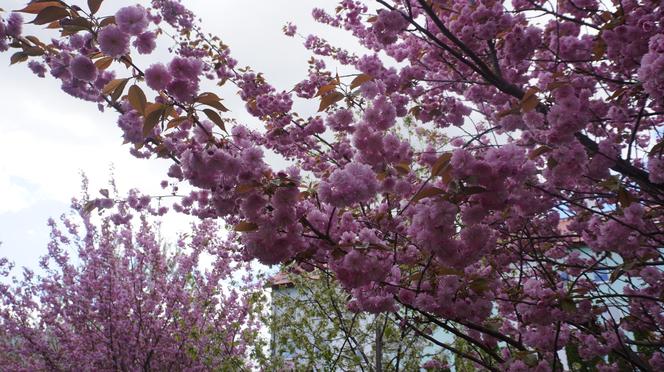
47 137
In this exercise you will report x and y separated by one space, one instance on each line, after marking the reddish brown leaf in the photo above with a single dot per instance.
245 226
402 168
442 270
35 40
89 207
118 91
104 63
539 151
153 114
33 51
50 14
111 85
107 21
470 190
54 25
245 187
512 111
18 57
529 100
441 164
72 26
211 100
428 192
359 80
326 89
137 98
625 199
177 121
330 99
657 149
555 85
599 49
35 8
94 5
126 60
212 115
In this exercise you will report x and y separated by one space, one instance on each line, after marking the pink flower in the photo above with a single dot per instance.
656 169
182 90
185 68
145 42
83 68
14 25
354 183
132 19
388 25
341 120
381 114
290 29
651 275
434 364
157 76
37 68
113 41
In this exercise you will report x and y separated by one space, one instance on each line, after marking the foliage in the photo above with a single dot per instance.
313 330
553 112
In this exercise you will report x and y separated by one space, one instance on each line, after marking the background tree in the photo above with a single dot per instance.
312 328
553 111
113 297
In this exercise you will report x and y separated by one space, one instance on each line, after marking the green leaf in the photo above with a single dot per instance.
568 305
479 285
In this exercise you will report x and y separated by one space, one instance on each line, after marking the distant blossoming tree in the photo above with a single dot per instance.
494 167
113 297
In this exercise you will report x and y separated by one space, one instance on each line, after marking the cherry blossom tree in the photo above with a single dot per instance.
493 167
111 296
